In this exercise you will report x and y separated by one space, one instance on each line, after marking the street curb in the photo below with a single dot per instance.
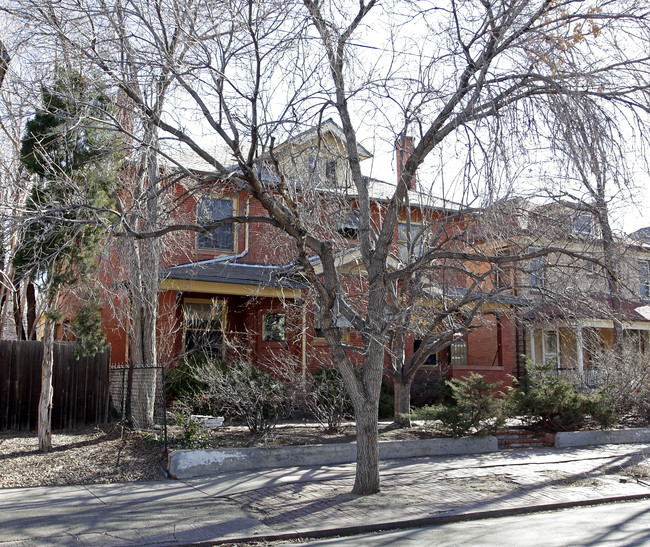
186 464
576 439
421 522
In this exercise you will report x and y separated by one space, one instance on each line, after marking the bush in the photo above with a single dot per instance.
478 409
429 388
242 392
626 378
180 382
193 434
552 401
327 399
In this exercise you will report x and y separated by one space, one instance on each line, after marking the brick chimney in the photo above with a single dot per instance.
404 147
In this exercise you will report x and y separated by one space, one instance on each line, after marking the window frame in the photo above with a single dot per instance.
417 228
342 324
187 303
537 271
644 278
203 220
331 171
546 355
583 225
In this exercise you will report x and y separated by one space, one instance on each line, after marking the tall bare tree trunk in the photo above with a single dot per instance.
367 473
144 283
47 391
402 399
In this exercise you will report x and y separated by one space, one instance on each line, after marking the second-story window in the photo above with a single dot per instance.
410 241
644 278
220 238
537 272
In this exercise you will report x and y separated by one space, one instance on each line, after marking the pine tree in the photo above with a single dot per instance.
72 157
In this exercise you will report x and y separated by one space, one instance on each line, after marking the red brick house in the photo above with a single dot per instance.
234 290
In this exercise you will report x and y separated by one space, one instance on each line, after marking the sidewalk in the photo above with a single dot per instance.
315 501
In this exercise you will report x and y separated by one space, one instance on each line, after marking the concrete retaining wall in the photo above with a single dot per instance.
184 464
613 436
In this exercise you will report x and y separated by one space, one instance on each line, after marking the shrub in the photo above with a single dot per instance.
478 408
180 382
429 388
552 401
242 392
626 378
328 400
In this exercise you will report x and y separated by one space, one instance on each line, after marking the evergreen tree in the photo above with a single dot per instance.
72 155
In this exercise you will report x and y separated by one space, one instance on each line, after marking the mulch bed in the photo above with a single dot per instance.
91 455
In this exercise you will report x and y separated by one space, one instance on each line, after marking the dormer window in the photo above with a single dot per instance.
313 166
644 278
330 171
316 166
220 238
583 225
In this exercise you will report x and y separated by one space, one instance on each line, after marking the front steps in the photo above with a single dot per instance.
524 438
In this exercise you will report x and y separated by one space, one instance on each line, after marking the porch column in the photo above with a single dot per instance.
579 352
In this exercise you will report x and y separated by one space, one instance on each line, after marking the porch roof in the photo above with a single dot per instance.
593 307
223 277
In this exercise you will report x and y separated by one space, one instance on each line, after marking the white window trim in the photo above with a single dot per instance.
644 278
545 355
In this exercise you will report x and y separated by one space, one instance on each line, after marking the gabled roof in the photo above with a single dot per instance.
328 126
642 235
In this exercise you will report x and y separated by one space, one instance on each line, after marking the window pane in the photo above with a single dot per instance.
550 343
644 278
583 225
330 171
221 237
417 236
313 166
537 273
273 327
203 329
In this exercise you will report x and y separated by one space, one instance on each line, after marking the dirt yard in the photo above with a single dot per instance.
92 455
115 454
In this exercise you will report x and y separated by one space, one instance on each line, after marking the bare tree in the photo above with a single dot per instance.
464 76
592 147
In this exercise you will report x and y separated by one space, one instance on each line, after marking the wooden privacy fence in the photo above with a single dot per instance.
80 386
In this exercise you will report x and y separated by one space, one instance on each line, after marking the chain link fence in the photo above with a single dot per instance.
137 396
